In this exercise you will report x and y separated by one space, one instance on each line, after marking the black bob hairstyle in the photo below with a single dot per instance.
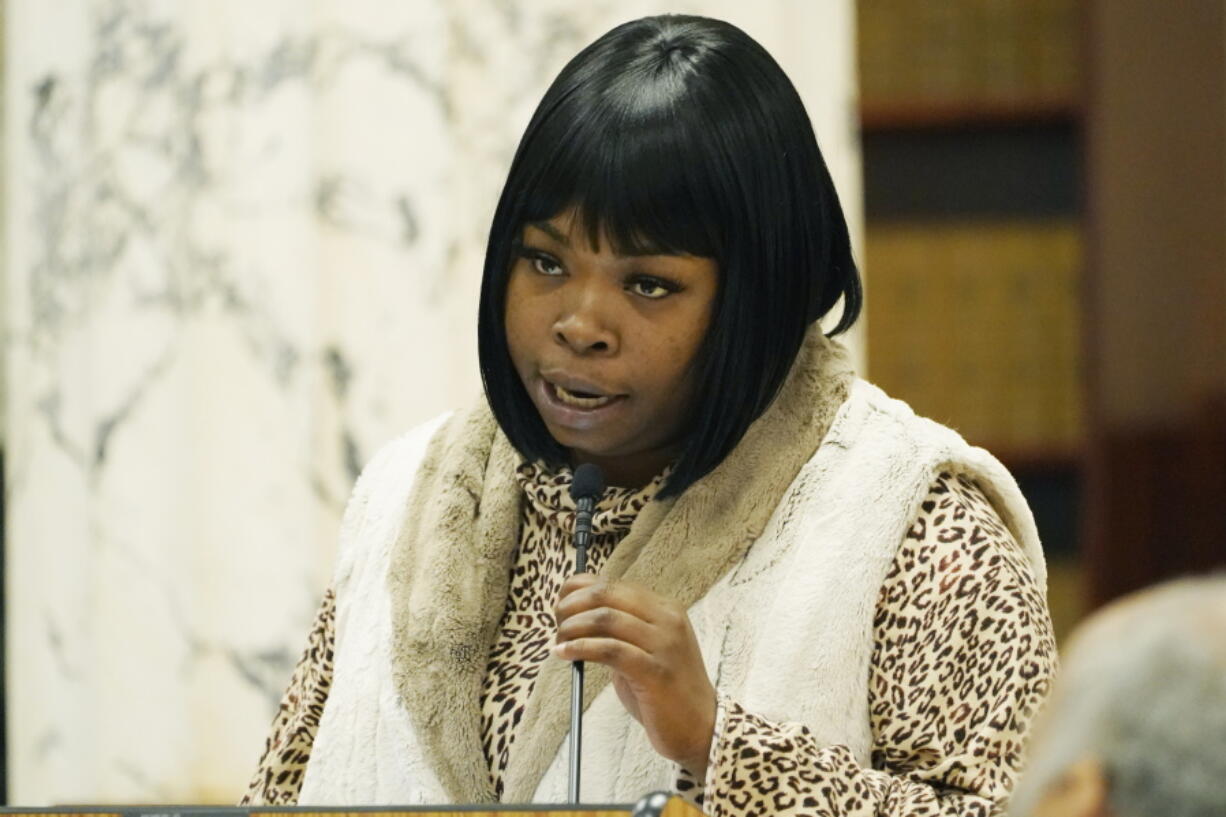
680 134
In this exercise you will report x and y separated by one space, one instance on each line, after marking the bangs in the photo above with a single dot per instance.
628 179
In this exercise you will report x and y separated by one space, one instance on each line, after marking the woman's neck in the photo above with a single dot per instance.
632 471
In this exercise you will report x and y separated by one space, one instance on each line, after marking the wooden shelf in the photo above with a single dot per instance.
1038 459
963 114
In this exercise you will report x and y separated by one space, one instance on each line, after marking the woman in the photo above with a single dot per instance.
807 600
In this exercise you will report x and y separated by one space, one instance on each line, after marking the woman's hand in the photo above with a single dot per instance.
658 672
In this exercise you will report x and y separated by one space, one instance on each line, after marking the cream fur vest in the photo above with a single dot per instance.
779 555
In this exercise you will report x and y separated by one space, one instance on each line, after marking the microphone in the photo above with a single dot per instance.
585 488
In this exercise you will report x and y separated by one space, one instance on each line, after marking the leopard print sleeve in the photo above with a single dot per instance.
963 657
278 777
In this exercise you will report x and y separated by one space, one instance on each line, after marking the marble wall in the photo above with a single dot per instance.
243 248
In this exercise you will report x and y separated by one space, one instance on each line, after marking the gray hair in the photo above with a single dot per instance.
1143 691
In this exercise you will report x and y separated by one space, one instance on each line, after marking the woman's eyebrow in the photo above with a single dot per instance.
551 231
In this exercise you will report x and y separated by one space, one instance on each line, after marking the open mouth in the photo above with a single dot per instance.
579 399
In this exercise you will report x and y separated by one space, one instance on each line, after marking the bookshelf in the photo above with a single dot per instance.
993 53
971 125
882 117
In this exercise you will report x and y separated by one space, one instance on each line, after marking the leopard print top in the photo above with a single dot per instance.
963 656
278 778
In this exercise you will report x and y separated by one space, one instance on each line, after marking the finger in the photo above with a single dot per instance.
619 656
606 622
577 582
630 598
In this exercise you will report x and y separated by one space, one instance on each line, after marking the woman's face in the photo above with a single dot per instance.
605 345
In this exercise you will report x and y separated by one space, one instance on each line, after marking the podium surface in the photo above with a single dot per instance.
650 806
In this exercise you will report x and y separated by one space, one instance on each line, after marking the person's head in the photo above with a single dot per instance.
1136 726
671 154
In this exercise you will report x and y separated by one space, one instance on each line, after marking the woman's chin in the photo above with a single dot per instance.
583 446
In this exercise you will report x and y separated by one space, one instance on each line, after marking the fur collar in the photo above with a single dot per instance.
450 568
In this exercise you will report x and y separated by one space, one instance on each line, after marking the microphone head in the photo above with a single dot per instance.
588 482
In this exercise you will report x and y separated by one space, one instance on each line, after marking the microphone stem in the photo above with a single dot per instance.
583 530
576 732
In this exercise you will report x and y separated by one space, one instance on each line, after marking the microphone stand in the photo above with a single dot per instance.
587 485
582 537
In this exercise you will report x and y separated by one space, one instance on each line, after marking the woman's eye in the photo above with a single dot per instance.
545 265
651 288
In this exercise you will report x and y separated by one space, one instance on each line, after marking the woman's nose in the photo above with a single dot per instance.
586 328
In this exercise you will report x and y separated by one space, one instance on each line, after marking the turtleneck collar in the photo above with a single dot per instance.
548 492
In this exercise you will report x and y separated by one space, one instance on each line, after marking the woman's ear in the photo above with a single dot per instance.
1080 792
